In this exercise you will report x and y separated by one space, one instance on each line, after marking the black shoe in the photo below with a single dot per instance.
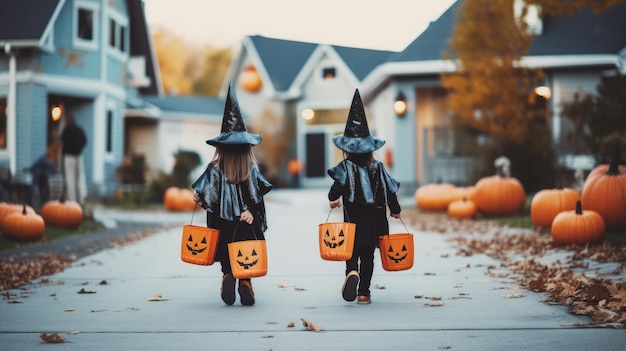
349 286
228 289
246 294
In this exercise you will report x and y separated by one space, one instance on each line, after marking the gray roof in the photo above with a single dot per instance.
188 104
579 34
583 33
25 19
284 59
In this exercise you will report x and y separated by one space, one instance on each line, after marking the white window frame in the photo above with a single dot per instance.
120 22
81 43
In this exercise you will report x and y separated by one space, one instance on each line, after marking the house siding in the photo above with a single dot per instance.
30 124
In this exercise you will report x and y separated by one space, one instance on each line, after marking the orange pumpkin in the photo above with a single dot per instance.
62 213
577 226
463 208
178 199
8 208
434 196
249 80
605 193
24 225
548 203
499 196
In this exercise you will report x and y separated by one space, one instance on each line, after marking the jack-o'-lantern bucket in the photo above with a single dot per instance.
248 258
396 251
336 240
199 244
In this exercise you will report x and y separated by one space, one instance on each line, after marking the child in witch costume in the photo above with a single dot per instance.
367 190
231 190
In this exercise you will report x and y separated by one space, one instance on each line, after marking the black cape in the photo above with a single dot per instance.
229 201
364 185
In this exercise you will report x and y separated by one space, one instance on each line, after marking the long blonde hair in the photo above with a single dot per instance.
235 161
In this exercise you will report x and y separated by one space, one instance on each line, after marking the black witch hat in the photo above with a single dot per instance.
356 138
234 129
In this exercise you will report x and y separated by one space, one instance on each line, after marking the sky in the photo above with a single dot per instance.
379 24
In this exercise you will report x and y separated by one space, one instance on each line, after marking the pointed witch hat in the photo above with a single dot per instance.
356 138
234 129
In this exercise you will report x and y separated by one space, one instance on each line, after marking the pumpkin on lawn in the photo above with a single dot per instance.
434 196
577 226
548 203
500 194
604 191
463 208
23 226
7 208
178 199
62 213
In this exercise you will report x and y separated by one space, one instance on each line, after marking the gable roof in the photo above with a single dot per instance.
282 59
582 33
361 61
23 22
207 108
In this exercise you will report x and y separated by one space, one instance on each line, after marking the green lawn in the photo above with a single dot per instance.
54 234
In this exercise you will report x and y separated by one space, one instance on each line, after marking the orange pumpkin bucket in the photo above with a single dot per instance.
198 244
336 240
248 258
396 251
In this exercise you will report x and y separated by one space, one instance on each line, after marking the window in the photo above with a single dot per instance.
85 25
117 33
109 130
328 73
3 123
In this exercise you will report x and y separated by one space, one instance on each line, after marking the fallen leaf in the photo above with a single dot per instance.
52 338
513 295
380 286
83 291
75 332
103 310
291 325
157 298
69 309
299 289
310 326
434 304
267 336
282 286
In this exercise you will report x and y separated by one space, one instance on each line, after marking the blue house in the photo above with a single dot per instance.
89 58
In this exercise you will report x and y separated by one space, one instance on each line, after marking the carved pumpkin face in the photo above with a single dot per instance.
397 256
334 241
194 247
247 261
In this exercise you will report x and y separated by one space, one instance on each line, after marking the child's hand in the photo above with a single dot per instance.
395 215
335 203
247 217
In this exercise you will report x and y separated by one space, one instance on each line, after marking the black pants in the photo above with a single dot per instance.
362 261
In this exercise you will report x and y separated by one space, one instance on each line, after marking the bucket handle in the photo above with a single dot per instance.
194 212
237 226
402 224
344 211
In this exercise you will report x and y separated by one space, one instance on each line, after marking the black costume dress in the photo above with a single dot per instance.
365 191
225 202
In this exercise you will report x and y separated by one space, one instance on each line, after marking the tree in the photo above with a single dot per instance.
490 90
173 56
491 93
215 66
